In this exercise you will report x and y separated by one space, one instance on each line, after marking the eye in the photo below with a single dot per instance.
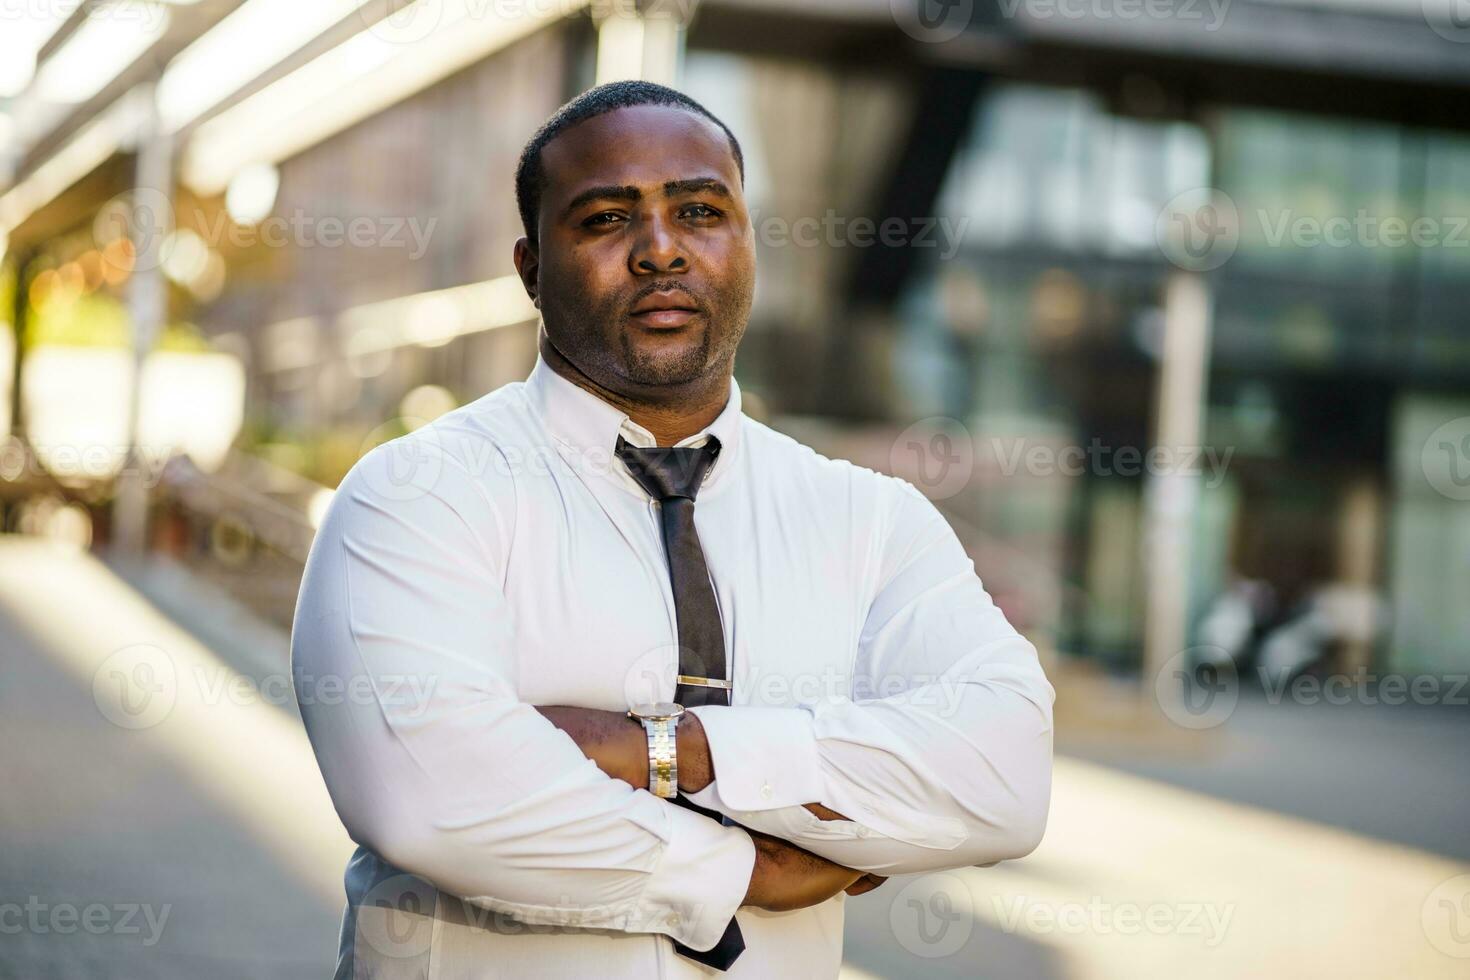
701 211
602 218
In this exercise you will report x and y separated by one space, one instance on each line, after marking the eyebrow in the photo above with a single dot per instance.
627 192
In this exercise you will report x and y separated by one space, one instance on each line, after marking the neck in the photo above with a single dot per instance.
686 410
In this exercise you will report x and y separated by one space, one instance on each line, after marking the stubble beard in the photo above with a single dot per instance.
659 370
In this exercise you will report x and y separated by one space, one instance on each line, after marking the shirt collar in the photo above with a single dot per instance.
589 427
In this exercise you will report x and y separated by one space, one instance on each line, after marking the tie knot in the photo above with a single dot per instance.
665 471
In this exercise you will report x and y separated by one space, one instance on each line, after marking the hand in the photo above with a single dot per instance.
785 877
865 884
868 881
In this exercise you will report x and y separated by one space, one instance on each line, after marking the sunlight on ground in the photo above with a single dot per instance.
1135 879
176 698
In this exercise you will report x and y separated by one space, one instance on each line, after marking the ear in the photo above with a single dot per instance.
528 267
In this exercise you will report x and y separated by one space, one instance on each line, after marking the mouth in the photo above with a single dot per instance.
665 310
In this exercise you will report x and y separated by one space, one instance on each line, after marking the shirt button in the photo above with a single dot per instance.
766 791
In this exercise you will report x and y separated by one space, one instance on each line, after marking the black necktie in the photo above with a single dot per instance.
672 476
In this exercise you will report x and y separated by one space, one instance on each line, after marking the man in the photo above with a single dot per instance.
497 589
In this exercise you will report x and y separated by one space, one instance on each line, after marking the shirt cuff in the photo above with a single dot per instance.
701 879
763 758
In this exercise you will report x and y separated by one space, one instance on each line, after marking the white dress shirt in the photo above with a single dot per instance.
502 557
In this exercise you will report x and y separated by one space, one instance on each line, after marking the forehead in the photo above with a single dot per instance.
639 145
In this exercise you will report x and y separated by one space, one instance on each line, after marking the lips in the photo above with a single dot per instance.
666 308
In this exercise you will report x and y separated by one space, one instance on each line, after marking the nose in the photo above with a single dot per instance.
657 248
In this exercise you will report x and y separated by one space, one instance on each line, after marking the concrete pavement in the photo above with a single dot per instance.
162 817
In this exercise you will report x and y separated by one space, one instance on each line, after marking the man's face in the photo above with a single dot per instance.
646 264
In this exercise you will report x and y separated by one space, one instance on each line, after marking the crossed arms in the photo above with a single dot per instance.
784 876
484 795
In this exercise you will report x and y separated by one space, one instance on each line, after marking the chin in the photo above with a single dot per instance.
666 360
664 372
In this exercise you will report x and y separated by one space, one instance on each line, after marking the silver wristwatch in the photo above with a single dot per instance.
660 722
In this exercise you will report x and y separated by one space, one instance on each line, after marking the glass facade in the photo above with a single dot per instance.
1337 345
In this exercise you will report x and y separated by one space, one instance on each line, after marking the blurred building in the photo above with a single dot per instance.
1154 297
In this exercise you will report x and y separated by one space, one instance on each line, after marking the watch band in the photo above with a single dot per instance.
663 760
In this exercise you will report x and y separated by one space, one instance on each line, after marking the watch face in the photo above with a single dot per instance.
663 709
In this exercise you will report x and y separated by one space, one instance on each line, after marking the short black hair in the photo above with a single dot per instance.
531 176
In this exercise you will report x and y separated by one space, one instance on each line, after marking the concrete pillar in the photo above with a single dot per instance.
639 39
1172 496
152 221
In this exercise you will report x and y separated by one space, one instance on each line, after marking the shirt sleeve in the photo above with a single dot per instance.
942 755
431 759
